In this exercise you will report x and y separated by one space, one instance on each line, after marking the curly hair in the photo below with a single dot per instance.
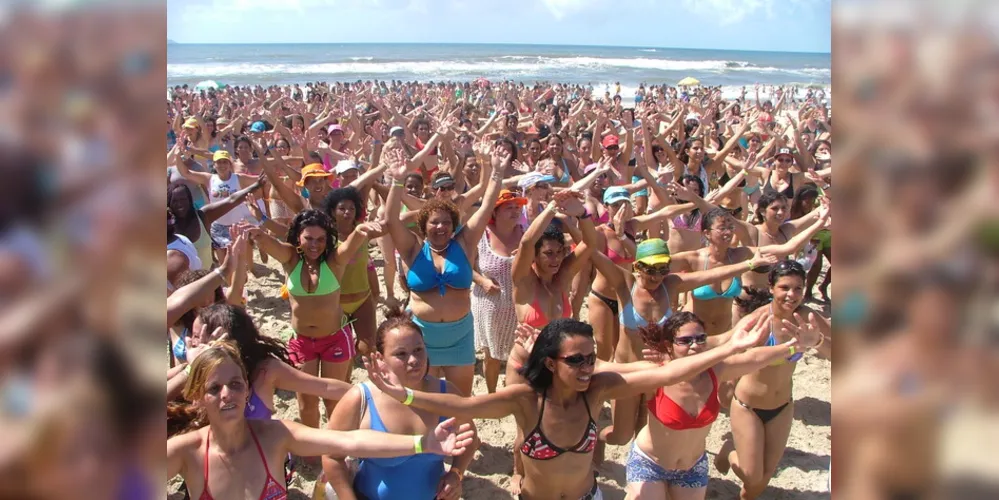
334 197
660 337
434 205
553 232
310 218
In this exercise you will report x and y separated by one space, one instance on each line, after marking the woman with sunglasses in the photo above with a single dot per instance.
761 421
562 383
780 178
439 270
243 452
650 292
668 458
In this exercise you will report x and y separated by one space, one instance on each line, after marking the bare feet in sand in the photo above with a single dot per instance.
722 463
515 481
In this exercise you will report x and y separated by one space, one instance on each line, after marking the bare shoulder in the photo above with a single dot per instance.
188 442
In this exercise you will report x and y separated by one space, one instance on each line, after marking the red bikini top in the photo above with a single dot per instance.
675 417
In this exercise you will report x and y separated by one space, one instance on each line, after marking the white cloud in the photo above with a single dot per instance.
563 8
728 12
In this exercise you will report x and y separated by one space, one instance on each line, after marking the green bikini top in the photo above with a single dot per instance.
327 281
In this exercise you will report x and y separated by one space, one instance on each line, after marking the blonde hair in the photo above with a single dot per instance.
186 416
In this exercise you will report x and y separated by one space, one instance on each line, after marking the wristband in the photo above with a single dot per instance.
409 397
751 267
263 218
459 473
398 184
187 370
417 444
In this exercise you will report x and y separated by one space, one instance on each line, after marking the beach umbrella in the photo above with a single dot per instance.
207 84
689 82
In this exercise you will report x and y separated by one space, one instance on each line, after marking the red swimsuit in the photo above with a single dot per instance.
675 417
273 490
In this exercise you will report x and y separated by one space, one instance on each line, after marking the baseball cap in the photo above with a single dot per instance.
221 155
258 127
396 130
529 180
783 152
507 196
442 180
312 170
615 194
345 165
652 251
610 141
334 128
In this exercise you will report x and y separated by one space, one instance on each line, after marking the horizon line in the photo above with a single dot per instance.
169 40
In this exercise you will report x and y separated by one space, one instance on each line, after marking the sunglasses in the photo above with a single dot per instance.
449 187
612 148
578 360
783 160
693 339
659 269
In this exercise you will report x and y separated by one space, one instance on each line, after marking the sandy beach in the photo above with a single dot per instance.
801 475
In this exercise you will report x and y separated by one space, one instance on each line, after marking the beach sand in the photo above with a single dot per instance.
801 475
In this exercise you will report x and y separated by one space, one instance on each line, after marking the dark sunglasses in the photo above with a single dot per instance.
694 339
660 269
612 148
783 160
449 187
578 360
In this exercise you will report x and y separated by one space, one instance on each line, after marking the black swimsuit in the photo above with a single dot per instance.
788 192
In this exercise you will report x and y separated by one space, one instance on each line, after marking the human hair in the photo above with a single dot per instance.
552 233
760 297
335 196
190 197
396 317
254 348
711 216
242 138
800 204
695 213
814 146
186 416
660 337
508 142
215 126
309 218
549 345
434 204
684 154
765 201
421 121
188 277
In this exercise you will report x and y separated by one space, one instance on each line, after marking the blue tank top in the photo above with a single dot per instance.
401 478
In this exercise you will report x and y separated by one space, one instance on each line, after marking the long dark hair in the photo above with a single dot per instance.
254 348
765 201
660 338
806 194
760 297
309 218
549 345
691 218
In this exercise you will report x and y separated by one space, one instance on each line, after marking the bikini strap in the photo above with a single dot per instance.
207 443
587 404
259 449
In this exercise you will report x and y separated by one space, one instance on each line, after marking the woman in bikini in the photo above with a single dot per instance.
243 452
650 292
668 457
565 169
561 383
761 422
315 264
399 342
441 299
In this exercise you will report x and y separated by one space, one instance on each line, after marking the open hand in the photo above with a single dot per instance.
750 334
447 441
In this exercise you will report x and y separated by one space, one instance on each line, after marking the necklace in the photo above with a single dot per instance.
439 251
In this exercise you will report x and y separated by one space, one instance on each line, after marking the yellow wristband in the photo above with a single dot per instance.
418 444
751 267
409 397
187 370
792 351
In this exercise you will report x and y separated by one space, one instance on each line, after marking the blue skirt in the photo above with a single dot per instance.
450 343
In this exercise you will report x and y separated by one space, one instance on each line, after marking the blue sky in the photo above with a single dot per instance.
774 25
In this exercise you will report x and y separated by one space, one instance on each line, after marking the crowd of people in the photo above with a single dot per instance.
694 228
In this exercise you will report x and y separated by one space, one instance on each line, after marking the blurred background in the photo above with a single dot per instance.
916 197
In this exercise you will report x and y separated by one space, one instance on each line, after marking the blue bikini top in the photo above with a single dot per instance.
632 320
706 292
457 272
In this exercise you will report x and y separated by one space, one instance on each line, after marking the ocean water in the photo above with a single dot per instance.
268 64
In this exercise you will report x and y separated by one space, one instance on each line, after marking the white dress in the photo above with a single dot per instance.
494 314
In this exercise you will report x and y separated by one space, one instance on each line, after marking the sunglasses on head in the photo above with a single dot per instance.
692 339
577 360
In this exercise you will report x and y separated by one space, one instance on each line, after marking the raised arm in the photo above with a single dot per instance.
306 441
684 282
202 178
477 223
525 252
280 250
403 238
213 211
356 242
799 240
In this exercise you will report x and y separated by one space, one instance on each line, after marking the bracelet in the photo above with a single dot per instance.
822 339
218 271
187 370
409 397
417 444
458 472
751 267
398 184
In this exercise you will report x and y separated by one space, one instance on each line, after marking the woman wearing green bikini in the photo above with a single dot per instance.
314 264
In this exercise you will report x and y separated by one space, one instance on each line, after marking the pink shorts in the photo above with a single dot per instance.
336 348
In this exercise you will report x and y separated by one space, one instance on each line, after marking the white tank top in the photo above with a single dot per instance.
220 190
184 246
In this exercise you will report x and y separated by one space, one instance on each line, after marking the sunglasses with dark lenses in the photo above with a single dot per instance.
660 269
612 148
693 339
449 187
577 360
